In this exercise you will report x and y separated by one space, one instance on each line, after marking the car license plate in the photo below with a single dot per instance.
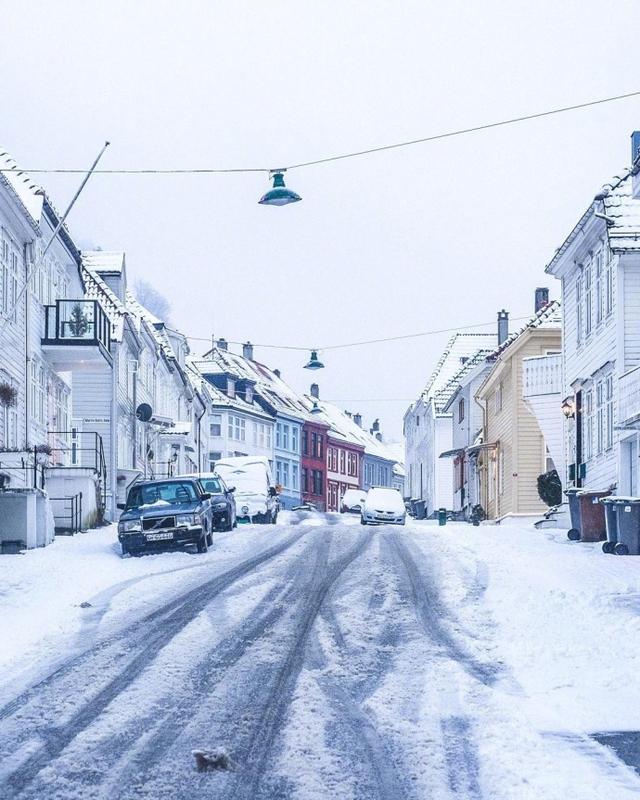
153 537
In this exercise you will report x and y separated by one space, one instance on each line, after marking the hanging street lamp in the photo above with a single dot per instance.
316 409
314 361
279 195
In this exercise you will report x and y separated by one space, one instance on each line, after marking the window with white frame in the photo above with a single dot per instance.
600 417
279 472
588 318
285 437
498 398
285 473
599 288
579 316
295 477
608 302
267 436
215 425
295 434
608 439
278 434
237 428
587 423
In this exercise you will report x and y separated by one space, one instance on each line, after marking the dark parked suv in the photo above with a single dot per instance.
223 502
166 514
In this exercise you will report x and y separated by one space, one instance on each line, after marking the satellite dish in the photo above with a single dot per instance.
144 412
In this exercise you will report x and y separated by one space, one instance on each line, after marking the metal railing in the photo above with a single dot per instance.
629 396
77 322
71 518
542 375
75 449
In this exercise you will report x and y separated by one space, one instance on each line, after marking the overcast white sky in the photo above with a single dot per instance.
428 237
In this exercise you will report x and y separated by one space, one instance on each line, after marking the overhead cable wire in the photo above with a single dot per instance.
339 157
363 342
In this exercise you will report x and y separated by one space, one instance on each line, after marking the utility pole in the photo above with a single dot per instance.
38 262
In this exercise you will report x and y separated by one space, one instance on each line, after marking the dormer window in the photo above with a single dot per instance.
231 388
249 394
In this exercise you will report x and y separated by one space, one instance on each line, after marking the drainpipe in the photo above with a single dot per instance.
199 430
27 357
485 494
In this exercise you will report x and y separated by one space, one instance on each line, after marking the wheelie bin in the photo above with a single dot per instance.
612 506
593 527
628 527
574 512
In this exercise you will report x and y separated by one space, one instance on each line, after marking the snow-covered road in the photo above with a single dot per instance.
329 660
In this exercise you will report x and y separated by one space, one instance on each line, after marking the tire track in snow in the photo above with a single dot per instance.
170 619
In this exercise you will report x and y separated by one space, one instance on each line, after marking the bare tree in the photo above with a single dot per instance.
148 296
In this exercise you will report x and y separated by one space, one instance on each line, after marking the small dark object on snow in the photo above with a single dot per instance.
550 488
85 605
210 760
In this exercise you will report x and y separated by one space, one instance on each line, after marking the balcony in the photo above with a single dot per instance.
541 375
76 332
629 399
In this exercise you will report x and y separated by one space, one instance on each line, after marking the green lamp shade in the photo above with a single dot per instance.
279 195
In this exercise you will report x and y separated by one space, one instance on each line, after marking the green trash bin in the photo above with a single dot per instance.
628 527
442 516
612 506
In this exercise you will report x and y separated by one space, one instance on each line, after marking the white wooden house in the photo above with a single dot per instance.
428 426
599 269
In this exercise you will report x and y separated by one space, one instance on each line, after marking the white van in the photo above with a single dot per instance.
255 494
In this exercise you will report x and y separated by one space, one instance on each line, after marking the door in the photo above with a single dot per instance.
632 466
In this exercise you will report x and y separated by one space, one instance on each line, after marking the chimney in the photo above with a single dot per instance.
503 326
542 298
357 418
315 391
247 351
276 372
379 436
222 344
376 426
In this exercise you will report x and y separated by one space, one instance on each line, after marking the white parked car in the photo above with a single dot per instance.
352 501
383 505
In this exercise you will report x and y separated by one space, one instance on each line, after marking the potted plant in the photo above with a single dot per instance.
8 395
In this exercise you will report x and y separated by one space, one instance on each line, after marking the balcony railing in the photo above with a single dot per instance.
76 322
542 375
629 397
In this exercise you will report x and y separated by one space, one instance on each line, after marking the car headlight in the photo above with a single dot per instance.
129 526
186 519
220 505
245 509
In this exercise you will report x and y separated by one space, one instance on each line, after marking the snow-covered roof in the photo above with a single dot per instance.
114 308
622 212
268 385
550 316
104 260
443 398
460 347
29 193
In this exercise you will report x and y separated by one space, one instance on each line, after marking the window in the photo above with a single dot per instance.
343 458
587 432
285 473
279 472
314 445
231 387
587 299
285 437
461 410
608 304
237 428
295 433
501 472
599 288
215 425
608 438
278 435
214 456
305 443
579 320
317 482
305 479
600 417
268 436
498 398
295 477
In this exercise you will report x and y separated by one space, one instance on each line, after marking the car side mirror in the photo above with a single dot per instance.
205 496
231 489
272 491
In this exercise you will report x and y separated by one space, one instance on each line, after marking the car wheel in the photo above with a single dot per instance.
235 522
202 544
363 521
209 539
125 550
274 518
